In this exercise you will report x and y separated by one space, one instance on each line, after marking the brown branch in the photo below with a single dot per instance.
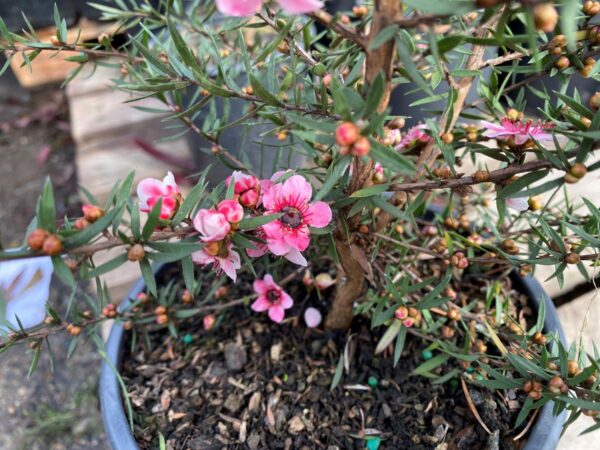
329 21
291 42
353 282
495 176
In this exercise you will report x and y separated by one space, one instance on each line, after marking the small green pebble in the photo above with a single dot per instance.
188 339
470 369
454 383
373 443
373 382
426 355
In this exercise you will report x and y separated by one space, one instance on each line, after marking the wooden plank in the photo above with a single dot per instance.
50 67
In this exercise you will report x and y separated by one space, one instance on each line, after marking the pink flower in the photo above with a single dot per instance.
272 298
221 256
261 248
232 210
241 8
519 204
150 190
212 225
289 235
312 317
520 131
246 188
413 137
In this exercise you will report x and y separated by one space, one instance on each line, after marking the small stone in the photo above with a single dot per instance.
426 355
384 383
276 352
233 403
253 441
254 402
188 339
373 443
373 382
235 356
295 425
387 411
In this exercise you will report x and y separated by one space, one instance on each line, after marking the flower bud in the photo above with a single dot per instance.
481 176
81 224
539 338
128 325
208 322
136 253
160 310
74 330
52 245
347 134
54 40
562 63
319 70
545 17
578 170
453 314
408 322
222 292
595 101
361 147
162 319
535 203
187 297
92 213
360 11
448 332
555 384
447 138
572 258
323 281
486 3
401 313
572 367
36 238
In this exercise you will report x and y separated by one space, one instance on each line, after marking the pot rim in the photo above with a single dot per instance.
544 434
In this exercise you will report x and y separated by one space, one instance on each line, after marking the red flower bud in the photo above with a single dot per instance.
52 245
362 147
91 213
347 134
36 238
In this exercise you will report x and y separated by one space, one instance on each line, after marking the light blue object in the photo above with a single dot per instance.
24 291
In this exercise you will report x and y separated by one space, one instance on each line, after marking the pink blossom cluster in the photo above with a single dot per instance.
519 130
244 8
285 196
414 136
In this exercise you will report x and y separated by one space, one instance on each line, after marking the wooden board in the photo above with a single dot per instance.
50 67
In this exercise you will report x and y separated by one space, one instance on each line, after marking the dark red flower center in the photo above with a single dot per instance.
273 296
291 217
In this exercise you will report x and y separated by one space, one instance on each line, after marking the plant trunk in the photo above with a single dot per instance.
351 275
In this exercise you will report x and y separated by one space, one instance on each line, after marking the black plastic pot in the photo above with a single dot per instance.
544 434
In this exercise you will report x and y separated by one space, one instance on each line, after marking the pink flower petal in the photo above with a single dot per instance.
312 317
300 6
276 313
296 257
239 8
298 239
320 214
261 304
286 300
519 204
298 188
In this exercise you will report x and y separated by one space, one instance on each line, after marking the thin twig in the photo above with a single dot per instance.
472 407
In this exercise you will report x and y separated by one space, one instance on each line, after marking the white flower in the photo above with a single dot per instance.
24 291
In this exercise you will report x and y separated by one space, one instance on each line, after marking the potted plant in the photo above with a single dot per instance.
378 295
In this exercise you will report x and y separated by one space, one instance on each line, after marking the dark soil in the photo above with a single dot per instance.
253 384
